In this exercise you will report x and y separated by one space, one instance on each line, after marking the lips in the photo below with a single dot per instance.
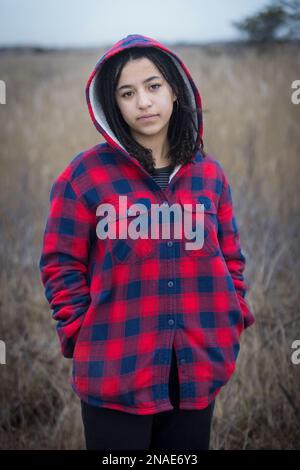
149 116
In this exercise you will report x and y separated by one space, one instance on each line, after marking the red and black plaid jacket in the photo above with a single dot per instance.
121 304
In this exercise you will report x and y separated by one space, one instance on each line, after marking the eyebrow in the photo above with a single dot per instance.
145 81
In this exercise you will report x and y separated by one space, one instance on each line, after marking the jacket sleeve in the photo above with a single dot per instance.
229 240
64 262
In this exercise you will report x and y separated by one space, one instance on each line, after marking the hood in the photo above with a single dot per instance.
94 105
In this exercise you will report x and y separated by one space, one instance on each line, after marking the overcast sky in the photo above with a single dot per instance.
60 23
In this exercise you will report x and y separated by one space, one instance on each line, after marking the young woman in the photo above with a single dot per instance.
152 322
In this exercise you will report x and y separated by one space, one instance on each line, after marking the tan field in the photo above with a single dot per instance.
252 127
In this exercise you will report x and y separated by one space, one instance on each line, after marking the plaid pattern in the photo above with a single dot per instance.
121 304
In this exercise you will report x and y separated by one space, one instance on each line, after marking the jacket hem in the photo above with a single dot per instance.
165 405
193 406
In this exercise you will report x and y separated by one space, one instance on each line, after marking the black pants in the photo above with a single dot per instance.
108 429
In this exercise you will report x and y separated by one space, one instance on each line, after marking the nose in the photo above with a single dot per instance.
143 100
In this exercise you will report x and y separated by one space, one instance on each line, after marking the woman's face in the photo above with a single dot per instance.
142 90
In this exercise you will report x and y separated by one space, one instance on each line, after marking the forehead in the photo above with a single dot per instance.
137 70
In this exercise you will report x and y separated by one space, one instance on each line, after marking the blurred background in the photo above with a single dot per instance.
244 56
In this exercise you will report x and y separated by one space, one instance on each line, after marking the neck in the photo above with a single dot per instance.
161 163
159 149
159 153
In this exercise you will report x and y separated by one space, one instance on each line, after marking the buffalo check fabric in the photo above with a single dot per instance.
121 304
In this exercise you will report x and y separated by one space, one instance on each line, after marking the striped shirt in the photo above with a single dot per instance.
162 175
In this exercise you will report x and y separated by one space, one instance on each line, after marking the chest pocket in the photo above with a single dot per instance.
204 224
129 226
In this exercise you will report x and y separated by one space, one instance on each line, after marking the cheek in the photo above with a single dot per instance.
167 105
125 112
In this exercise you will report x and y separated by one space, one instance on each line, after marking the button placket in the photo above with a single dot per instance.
171 284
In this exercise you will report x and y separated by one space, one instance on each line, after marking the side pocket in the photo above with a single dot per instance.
80 333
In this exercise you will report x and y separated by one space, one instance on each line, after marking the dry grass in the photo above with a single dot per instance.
252 127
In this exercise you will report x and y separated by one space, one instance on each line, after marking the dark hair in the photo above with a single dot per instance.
182 134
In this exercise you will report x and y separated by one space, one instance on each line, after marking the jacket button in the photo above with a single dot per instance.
170 284
170 243
171 322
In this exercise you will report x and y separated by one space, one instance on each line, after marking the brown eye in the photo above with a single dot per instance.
155 84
